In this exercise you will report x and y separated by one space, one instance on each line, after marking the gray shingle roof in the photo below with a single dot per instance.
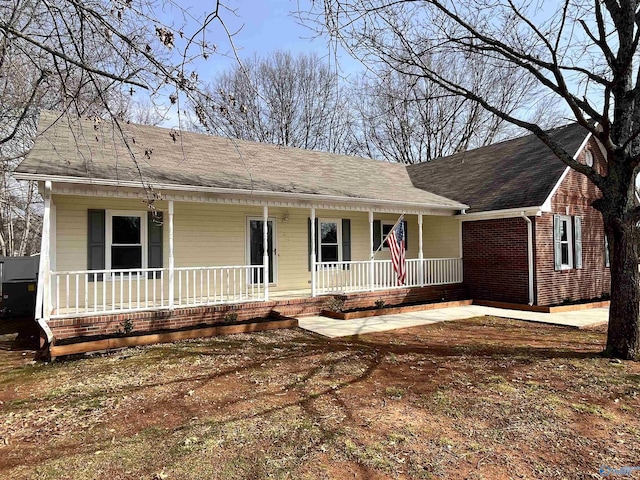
199 160
516 173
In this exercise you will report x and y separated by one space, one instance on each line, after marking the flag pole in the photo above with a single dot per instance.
385 238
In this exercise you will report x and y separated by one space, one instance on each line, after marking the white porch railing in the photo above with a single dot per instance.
356 276
90 292
216 285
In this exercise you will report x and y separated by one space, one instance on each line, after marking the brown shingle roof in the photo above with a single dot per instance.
516 173
82 151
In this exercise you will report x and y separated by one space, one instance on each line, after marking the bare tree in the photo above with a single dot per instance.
114 58
282 99
582 53
409 119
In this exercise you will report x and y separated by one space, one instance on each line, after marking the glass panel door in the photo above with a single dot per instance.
256 250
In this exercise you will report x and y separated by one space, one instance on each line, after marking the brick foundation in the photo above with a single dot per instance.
407 295
64 328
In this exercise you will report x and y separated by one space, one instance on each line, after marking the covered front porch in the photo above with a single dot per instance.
84 292
207 252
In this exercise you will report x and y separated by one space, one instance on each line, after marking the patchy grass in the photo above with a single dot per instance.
483 398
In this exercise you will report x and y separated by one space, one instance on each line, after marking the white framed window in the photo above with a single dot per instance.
329 240
385 229
567 239
126 240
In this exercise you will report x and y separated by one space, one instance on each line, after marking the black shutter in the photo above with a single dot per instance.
96 242
346 240
309 242
377 234
154 232
406 235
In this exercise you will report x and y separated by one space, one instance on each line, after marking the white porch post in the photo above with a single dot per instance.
420 252
371 260
171 259
43 295
265 247
312 259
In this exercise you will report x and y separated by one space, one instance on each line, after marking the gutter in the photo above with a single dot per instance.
533 211
311 197
529 256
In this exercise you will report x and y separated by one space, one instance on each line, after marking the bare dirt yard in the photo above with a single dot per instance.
484 398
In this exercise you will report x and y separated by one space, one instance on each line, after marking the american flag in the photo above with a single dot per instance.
396 242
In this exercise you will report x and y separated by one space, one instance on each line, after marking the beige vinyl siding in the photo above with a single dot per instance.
441 237
216 235
72 223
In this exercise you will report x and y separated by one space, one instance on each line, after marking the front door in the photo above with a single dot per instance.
255 247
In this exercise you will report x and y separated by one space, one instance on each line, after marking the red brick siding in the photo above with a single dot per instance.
495 260
575 193
179 318
189 317
407 295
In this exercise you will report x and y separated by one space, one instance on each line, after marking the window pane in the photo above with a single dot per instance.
329 232
385 231
126 257
125 230
329 253
563 230
565 253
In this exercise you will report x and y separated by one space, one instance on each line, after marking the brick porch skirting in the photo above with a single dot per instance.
150 321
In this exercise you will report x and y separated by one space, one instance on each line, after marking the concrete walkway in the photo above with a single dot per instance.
344 328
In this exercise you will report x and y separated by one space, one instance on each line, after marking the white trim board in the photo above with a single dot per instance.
230 191
139 194
546 206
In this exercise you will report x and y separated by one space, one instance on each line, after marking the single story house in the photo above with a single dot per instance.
226 224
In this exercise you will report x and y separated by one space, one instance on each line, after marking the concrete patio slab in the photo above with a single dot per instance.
332 328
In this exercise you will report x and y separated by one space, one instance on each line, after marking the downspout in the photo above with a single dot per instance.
529 255
47 331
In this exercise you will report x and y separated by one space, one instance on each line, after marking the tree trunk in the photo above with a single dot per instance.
623 338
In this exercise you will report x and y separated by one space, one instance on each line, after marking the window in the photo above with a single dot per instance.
380 231
126 240
588 158
385 230
330 240
565 242
567 233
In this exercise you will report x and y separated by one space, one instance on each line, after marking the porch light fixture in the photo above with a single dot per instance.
285 217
